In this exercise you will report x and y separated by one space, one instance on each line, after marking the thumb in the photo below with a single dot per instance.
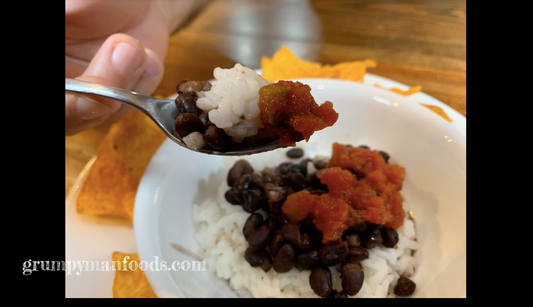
120 62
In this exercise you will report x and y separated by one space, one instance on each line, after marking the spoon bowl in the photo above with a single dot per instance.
163 112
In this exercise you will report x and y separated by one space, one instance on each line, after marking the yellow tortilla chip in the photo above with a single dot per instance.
111 184
354 71
136 141
413 90
286 65
130 280
438 110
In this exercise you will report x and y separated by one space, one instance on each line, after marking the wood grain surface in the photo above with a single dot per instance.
415 42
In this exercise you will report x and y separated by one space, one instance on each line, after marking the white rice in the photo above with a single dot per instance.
232 102
219 235
194 140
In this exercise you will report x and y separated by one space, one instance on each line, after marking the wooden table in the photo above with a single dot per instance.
415 42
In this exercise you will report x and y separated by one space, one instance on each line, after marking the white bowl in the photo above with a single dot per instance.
432 150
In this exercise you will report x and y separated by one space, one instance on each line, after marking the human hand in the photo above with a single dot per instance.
121 62
131 60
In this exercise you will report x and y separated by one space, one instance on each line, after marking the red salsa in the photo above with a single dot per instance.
372 194
289 111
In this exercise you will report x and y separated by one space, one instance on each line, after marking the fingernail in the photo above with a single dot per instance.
126 58
153 65
88 109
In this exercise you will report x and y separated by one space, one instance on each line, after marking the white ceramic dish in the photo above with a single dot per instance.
432 150
92 240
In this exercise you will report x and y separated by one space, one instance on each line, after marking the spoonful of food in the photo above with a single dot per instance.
241 114
165 114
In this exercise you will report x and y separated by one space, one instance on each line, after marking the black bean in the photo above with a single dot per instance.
279 220
186 103
273 222
371 239
295 153
254 258
238 169
373 227
266 265
360 253
390 236
265 204
348 146
260 258
297 168
333 253
206 120
364 147
289 191
308 260
353 240
275 193
251 224
237 194
231 198
283 168
257 181
303 165
385 156
271 177
283 219
275 208
244 182
291 233
320 164
242 185
284 180
192 86
312 181
216 137
251 200
260 238
296 181
360 227
276 243
404 287
337 294
187 123
206 86
352 276
316 238
307 225
284 260
320 281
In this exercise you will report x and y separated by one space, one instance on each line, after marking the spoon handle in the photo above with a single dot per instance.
131 98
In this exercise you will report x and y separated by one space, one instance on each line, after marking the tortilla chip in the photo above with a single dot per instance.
124 154
438 110
130 281
354 71
413 90
286 65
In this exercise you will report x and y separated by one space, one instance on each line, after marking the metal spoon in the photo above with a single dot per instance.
162 111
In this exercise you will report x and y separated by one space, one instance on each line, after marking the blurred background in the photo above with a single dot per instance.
415 42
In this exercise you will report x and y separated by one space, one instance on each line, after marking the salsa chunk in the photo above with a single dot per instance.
373 197
289 111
